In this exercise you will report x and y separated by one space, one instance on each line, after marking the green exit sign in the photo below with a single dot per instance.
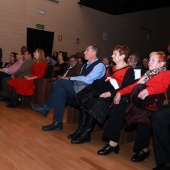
40 26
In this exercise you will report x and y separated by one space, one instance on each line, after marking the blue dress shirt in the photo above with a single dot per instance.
98 72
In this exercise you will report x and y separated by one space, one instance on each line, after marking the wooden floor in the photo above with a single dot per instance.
24 146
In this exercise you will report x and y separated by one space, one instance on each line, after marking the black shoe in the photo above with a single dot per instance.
165 166
5 99
2 99
140 156
108 149
72 136
81 139
11 105
75 135
53 126
41 110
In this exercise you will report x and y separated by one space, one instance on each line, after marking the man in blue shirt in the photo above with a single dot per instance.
65 89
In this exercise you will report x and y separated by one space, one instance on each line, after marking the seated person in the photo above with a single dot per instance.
117 77
145 67
161 136
12 60
61 65
65 89
55 55
81 60
73 68
50 60
23 49
136 115
8 71
25 86
106 61
134 60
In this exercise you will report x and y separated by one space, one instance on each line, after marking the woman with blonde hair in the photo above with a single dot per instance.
25 86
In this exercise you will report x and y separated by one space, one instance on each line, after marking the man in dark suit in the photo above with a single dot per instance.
73 68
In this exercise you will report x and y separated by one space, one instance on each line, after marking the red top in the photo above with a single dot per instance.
155 85
26 87
118 74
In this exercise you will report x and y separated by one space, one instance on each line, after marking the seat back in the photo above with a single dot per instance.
49 72
168 92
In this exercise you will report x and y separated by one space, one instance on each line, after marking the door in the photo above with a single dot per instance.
39 39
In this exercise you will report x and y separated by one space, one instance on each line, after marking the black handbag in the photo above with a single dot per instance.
84 96
139 111
99 108
155 99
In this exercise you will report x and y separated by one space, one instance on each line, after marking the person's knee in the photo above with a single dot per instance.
156 116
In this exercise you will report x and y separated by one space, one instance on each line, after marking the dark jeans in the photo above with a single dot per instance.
62 91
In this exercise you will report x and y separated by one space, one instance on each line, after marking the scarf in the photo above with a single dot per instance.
151 73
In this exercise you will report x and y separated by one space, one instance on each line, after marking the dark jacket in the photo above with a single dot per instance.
24 69
74 71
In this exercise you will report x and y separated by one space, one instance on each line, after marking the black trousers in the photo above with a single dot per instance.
116 123
161 134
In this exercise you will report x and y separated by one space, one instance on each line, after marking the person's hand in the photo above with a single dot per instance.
12 76
105 95
66 78
143 94
117 98
28 78
59 77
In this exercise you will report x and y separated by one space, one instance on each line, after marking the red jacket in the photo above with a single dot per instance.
155 85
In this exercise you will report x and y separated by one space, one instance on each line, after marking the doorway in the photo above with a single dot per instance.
39 39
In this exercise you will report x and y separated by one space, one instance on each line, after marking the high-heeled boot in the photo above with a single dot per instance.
85 136
82 121
14 101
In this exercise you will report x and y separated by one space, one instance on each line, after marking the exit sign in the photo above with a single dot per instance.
40 26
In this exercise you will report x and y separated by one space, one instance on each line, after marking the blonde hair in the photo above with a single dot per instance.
41 55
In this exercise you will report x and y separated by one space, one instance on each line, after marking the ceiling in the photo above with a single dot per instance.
116 7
